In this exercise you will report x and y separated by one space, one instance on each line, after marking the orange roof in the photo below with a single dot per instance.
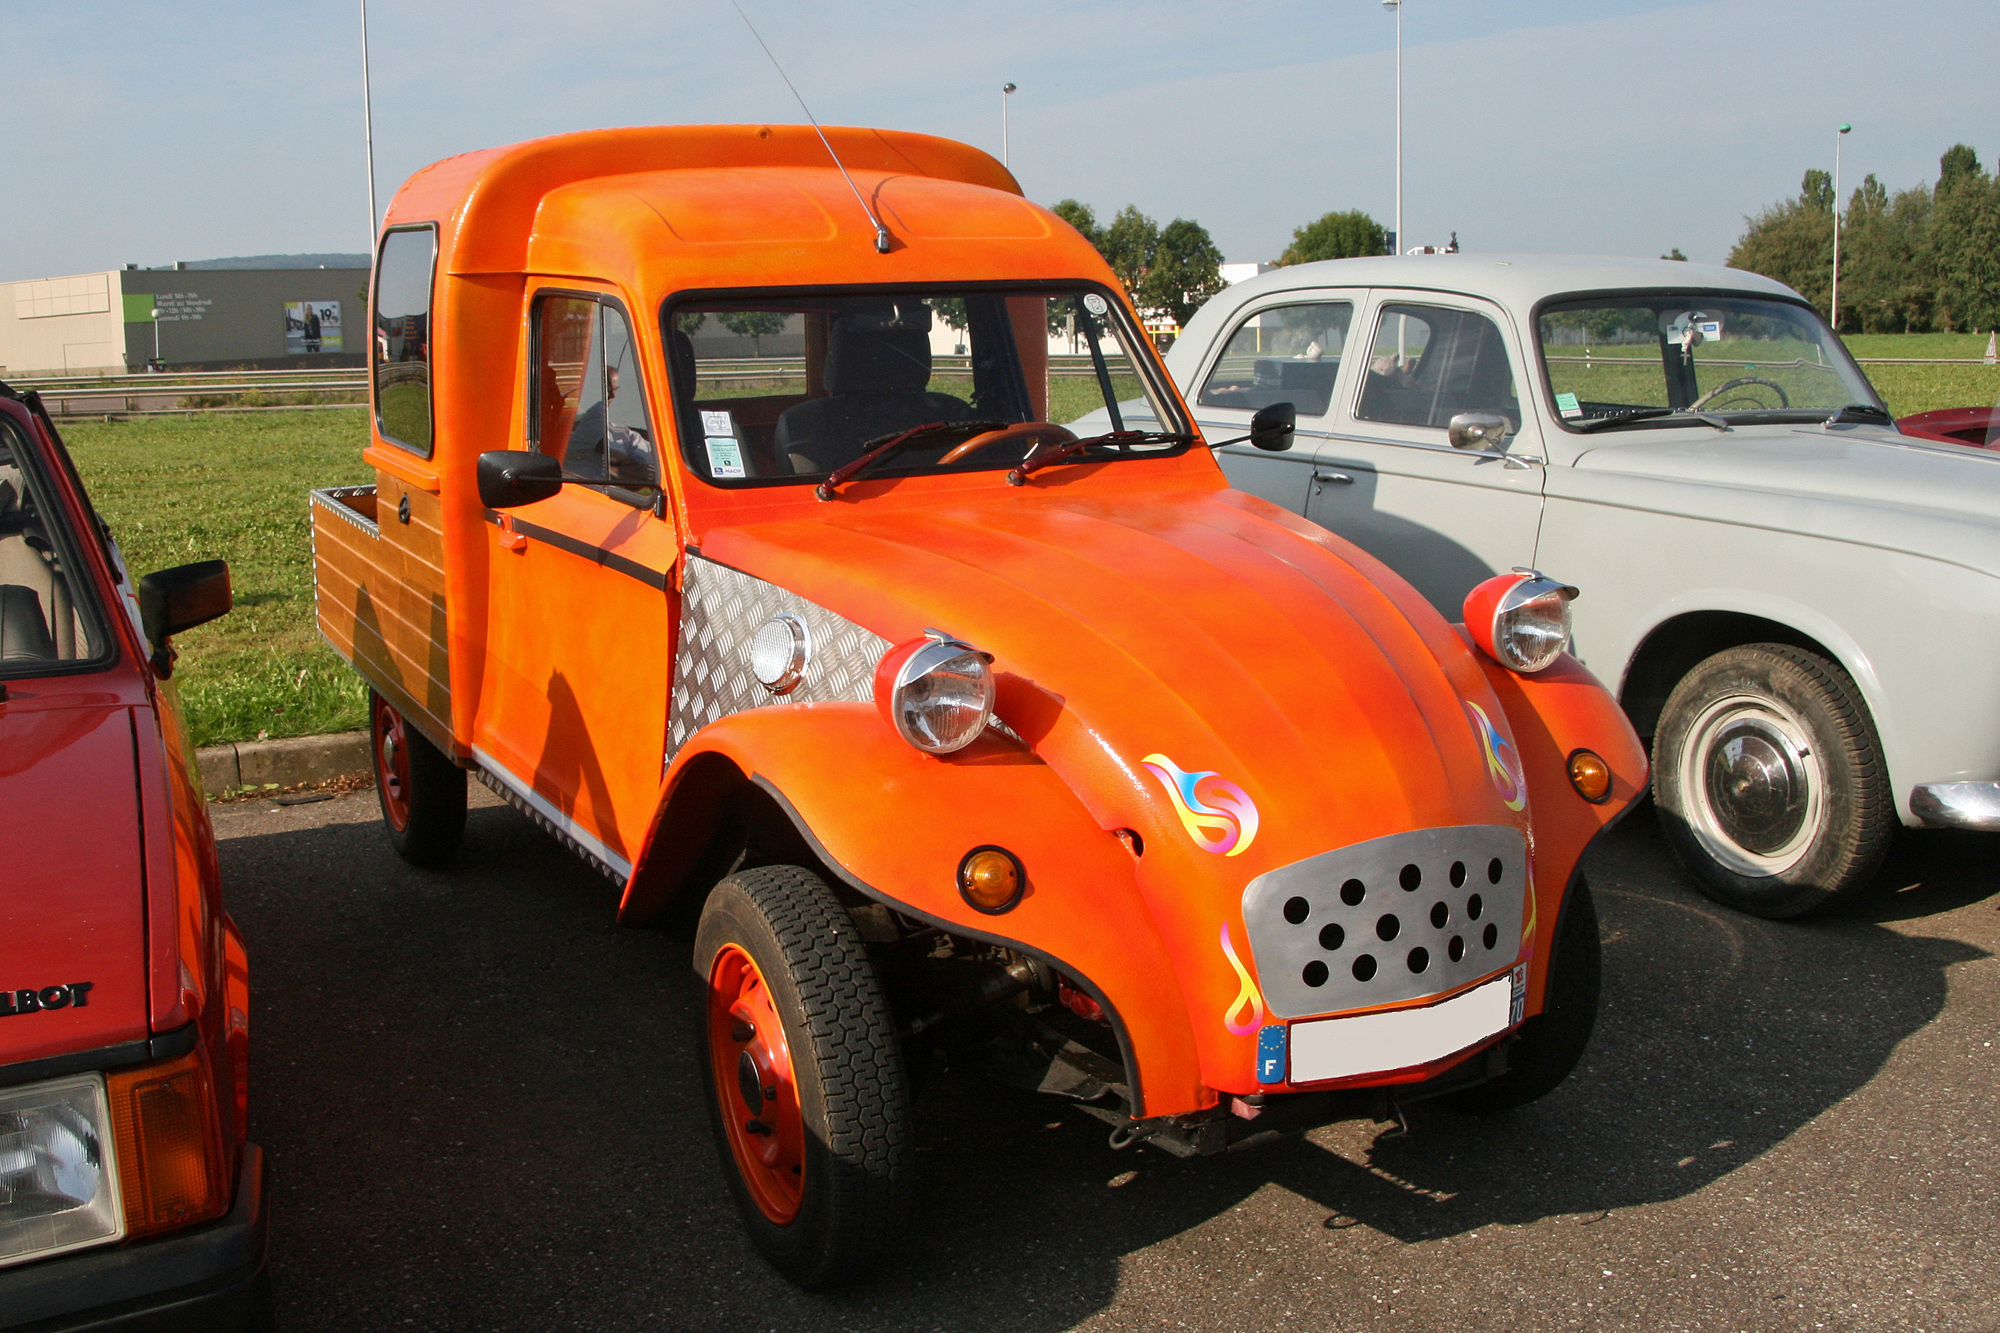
737 205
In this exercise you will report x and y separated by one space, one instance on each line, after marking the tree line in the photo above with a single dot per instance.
1926 258
1172 270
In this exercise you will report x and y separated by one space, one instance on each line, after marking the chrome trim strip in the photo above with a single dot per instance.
331 499
1969 805
538 807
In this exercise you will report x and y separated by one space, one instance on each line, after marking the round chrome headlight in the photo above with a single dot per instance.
1520 620
779 651
937 691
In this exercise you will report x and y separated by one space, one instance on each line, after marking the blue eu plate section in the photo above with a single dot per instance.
1271 1053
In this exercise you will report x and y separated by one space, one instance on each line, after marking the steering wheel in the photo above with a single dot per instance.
1738 383
1034 434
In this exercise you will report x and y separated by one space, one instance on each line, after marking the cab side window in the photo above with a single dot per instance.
1281 354
401 345
588 400
1428 364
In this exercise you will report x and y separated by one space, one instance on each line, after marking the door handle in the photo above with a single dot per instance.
1321 479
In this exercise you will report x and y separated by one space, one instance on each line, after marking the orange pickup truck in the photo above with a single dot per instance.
727 523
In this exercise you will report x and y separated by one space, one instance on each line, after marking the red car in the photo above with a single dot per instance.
128 1195
1976 426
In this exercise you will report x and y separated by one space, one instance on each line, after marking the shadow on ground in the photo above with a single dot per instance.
481 1109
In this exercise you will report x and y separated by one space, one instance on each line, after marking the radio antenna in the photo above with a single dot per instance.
881 232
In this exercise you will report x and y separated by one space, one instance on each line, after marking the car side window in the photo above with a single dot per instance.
589 404
1281 354
1429 363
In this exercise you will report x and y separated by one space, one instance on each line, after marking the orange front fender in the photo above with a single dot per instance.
1553 714
893 823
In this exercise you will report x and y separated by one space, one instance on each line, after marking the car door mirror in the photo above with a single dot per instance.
512 477
1485 431
1273 426
172 600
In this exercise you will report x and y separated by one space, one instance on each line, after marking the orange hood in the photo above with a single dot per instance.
1140 633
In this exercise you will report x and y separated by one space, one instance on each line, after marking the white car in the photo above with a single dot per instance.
1798 604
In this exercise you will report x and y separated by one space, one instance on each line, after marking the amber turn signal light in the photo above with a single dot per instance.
990 879
1591 777
169 1145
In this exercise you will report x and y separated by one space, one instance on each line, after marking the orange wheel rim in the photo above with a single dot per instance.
755 1084
392 763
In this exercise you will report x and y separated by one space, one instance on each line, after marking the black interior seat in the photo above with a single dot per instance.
875 382
24 633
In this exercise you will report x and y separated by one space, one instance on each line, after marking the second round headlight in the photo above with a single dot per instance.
1521 619
940 695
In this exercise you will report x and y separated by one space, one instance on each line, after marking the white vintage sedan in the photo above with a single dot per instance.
1800 606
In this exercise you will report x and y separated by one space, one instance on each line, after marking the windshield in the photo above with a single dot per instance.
47 616
783 388
1736 357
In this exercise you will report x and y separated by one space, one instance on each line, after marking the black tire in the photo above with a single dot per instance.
851 1090
421 792
1770 783
1548 1046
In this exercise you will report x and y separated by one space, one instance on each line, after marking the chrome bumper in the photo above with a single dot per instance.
1973 805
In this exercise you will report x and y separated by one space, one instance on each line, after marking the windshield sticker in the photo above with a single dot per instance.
1095 304
725 456
1249 1001
1503 765
717 423
1566 404
1227 827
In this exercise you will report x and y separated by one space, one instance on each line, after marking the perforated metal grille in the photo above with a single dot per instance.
721 612
1397 918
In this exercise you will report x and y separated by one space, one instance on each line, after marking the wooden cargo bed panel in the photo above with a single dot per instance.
381 599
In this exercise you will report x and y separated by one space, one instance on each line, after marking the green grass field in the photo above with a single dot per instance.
179 489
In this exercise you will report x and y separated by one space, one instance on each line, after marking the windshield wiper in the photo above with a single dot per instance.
884 446
1063 452
1859 414
1590 424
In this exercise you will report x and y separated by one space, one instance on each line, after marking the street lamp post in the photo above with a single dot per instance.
1006 91
368 128
1397 6
1833 305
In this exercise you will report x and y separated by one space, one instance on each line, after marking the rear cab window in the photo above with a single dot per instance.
400 352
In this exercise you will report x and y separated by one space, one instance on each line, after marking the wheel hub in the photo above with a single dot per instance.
755 1083
1757 785
1755 791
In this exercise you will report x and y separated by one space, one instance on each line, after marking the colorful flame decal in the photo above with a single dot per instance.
1227 827
1248 996
1503 764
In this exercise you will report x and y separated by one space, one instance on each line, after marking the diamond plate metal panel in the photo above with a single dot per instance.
1376 923
721 611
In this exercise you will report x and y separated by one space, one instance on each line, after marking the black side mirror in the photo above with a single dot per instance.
1272 427
512 477
172 600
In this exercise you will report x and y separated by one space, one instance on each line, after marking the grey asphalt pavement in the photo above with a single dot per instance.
480 1104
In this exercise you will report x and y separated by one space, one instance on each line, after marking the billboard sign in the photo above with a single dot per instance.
312 327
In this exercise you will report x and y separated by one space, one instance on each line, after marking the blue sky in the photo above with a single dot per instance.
154 133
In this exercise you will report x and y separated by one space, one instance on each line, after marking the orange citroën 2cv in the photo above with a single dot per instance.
726 523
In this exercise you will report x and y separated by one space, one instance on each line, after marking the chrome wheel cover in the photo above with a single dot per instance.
1753 784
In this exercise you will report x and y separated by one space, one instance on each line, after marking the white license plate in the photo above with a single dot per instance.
1377 1043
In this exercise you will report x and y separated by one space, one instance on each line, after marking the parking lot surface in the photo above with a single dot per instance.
480 1103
